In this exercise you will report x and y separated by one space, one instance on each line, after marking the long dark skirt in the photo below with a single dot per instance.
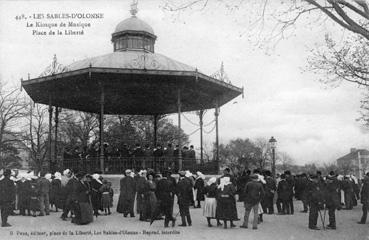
83 213
226 209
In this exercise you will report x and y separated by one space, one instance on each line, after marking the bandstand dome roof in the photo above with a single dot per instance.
133 79
131 60
134 24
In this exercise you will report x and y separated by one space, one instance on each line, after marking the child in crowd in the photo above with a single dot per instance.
105 189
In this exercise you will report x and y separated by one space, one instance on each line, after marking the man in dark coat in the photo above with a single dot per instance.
291 184
364 196
270 188
165 193
127 194
168 156
316 201
253 193
331 199
284 194
184 194
142 188
138 155
301 189
7 197
24 187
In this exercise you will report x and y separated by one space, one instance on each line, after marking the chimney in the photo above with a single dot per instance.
352 150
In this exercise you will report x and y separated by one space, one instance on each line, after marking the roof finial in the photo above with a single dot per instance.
134 8
222 71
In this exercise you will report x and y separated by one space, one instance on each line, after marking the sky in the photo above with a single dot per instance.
311 122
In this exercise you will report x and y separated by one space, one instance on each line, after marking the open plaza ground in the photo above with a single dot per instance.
115 226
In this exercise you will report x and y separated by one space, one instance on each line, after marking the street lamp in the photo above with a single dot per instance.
273 145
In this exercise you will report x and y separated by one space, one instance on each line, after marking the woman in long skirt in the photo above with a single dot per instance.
151 197
226 203
210 205
55 191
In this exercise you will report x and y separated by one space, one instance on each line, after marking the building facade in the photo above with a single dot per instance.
356 162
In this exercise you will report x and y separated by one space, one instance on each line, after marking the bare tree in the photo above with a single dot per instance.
12 109
272 21
35 136
284 160
352 15
263 153
78 128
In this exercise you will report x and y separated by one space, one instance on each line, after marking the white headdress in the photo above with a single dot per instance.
212 180
48 176
202 176
96 177
223 182
58 175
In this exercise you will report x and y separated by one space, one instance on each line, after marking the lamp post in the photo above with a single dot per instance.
273 144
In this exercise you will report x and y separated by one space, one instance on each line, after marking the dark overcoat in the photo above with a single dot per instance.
127 193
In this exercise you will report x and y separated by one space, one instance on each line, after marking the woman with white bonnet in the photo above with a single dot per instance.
96 194
55 192
226 204
210 205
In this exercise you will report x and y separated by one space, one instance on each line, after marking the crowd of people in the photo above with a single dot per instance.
81 196
132 157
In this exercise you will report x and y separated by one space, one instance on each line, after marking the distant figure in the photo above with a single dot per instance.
7 197
168 156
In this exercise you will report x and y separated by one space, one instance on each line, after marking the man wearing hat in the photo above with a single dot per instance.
7 197
331 198
253 193
184 193
315 199
165 193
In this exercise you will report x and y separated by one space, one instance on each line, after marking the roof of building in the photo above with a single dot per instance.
134 24
353 154
131 60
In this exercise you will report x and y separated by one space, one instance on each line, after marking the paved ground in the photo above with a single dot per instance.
116 226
